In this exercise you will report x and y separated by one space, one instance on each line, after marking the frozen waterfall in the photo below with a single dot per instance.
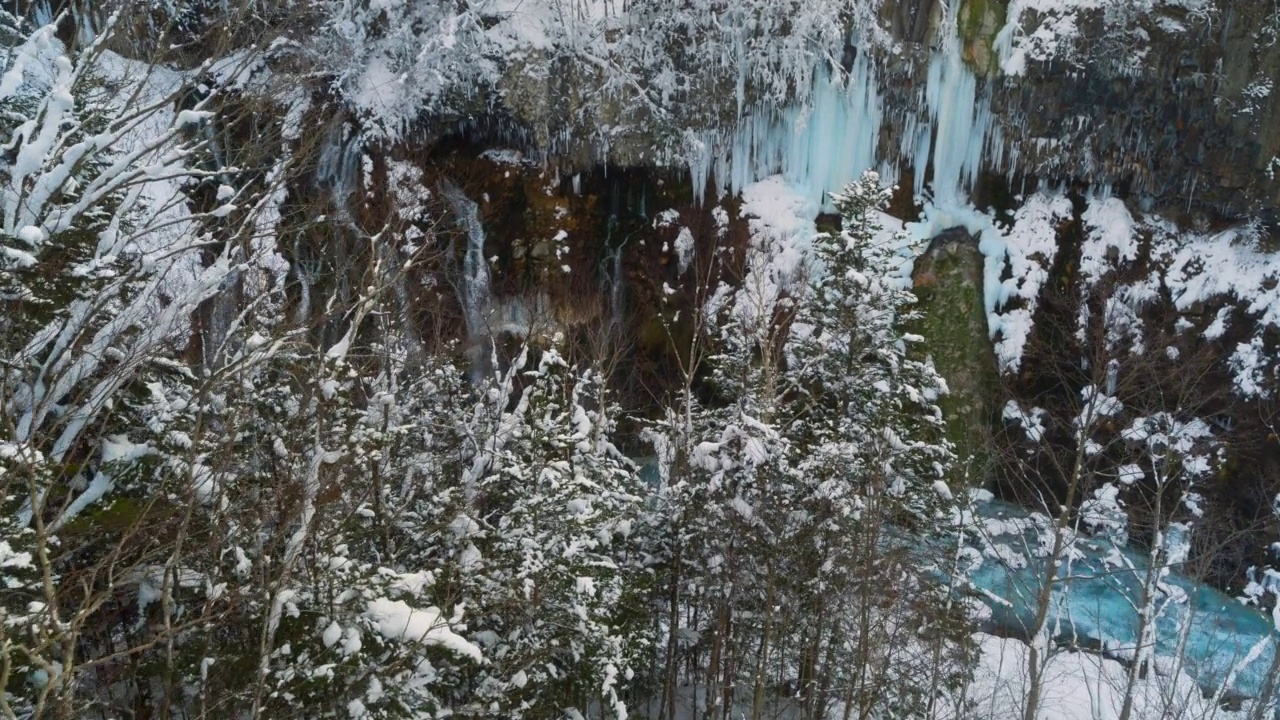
833 137
819 147
473 284
948 139
960 120
338 167
611 276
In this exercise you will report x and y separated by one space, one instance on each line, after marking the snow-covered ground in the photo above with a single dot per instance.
1078 686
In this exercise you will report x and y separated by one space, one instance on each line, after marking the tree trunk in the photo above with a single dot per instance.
668 711
762 657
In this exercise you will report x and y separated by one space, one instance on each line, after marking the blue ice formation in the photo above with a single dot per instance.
830 138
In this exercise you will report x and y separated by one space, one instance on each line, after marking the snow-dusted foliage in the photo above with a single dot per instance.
1128 452
872 418
541 546
178 467
851 346
393 61
1227 271
1080 579
166 511
334 619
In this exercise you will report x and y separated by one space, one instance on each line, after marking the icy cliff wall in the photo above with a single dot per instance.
1169 101
1173 100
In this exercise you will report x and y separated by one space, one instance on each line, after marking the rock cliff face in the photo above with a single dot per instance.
1177 110
593 152
1168 103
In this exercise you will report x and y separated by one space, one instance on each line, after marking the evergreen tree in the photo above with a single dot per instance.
871 444
869 394
540 546
787 498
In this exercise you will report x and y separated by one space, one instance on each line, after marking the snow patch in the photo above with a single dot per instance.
396 620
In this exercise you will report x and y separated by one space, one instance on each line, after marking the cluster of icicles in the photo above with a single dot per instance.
832 138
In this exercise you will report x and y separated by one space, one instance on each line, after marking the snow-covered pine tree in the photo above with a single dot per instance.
871 449
725 517
318 616
788 487
853 356
541 548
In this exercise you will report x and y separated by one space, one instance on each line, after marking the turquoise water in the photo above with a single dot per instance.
1095 599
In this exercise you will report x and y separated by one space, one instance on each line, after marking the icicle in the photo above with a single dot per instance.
818 147
841 135
1103 191
833 138
961 123
740 87
84 27
43 13
699 152
1002 45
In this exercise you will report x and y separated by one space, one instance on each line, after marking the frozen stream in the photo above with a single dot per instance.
1225 646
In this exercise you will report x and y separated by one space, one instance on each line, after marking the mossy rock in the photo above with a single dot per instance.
121 515
979 22
948 283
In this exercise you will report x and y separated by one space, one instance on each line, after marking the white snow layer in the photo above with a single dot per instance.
1193 269
396 620
1046 30
115 449
1078 686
